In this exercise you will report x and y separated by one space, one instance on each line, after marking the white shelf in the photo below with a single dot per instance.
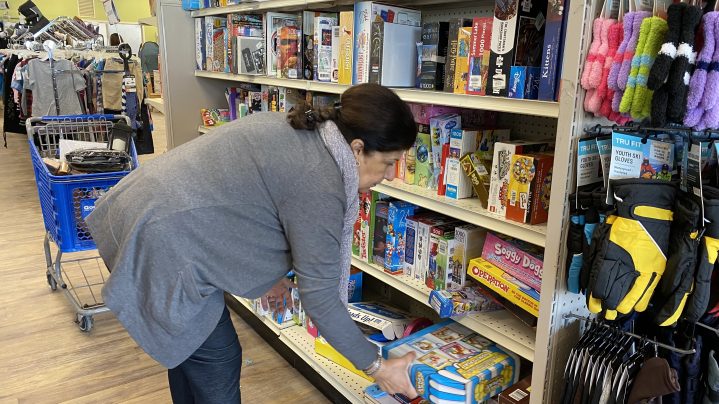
499 326
351 386
156 103
148 21
259 6
468 210
488 103
203 129
276 328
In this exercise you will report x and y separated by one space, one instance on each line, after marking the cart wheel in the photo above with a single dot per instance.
85 323
51 281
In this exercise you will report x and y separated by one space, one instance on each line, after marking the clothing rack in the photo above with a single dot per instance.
706 327
639 337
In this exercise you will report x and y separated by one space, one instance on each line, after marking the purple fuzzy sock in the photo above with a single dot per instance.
623 75
619 56
710 119
699 78
693 117
711 89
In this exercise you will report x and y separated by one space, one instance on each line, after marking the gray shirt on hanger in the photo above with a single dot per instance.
39 81
233 210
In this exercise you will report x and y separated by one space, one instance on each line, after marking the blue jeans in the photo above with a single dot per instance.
211 375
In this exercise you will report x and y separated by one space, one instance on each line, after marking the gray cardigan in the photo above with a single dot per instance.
234 211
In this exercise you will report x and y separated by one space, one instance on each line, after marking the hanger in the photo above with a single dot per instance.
603 14
620 14
716 5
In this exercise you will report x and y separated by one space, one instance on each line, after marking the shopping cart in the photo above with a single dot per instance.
66 200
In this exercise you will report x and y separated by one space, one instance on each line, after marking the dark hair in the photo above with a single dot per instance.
115 39
369 112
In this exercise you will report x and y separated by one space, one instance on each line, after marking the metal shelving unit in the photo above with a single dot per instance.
184 97
499 326
468 210
276 328
488 103
203 129
156 103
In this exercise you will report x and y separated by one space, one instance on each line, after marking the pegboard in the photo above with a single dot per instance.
449 11
528 127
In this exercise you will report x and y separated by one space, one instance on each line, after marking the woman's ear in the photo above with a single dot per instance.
357 146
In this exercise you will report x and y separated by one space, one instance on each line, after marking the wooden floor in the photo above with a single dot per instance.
45 358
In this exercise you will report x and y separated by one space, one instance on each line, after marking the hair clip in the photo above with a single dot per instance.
310 116
338 105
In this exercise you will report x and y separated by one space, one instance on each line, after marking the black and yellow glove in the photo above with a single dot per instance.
699 299
629 265
677 282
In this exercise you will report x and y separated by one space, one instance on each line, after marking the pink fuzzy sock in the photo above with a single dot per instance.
592 54
597 68
601 103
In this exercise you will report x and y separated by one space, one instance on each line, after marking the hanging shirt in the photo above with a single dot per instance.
40 82
112 83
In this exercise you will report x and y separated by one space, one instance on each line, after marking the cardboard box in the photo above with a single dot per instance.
396 235
519 259
479 55
312 328
392 54
215 31
438 270
289 59
273 22
410 250
251 54
424 226
410 165
346 47
478 176
524 82
365 13
449 355
467 244
368 202
461 73
501 164
529 188
323 47
517 393
440 129
505 285
424 167
335 64
200 44
354 287
486 138
434 55
458 302
308 42
389 321
451 64
554 33
461 142
379 237
517 37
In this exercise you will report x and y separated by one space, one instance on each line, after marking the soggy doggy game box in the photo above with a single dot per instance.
454 364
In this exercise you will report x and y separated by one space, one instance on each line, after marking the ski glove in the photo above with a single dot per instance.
699 299
633 258
678 279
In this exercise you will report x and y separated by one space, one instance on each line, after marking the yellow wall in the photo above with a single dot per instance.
128 10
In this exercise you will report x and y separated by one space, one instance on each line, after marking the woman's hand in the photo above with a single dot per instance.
278 299
393 376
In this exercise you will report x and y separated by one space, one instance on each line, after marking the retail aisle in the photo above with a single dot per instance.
45 358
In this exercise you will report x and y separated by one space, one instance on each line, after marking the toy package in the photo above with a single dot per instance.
354 287
251 54
410 165
461 73
479 55
518 393
457 302
308 42
424 168
289 59
215 116
424 225
438 272
273 23
461 142
522 260
440 128
478 176
505 285
346 47
486 138
200 44
466 245
396 235
389 321
552 50
501 165
336 35
451 64
455 365
410 250
379 233
323 46
215 32
374 395
434 54
529 189
524 82
424 112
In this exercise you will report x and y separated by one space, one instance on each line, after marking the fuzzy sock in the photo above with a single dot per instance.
642 103
628 97
597 68
679 76
694 113
593 48
710 120
711 89
601 103
660 69
625 69
619 55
